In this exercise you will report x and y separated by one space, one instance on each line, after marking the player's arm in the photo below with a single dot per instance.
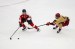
51 23
20 21
29 19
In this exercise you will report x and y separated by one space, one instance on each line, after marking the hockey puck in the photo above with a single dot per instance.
17 38
10 38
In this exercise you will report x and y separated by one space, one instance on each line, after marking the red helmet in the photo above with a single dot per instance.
57 15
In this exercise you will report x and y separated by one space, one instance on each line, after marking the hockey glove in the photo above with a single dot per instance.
20 25
48 23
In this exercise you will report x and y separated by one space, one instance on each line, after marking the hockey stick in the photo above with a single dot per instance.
14 33
37 26
41 25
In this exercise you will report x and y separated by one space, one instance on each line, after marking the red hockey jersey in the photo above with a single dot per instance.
24 16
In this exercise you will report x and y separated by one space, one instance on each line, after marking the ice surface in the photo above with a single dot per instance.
41 12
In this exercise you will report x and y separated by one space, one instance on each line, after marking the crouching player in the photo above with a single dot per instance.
59 22
24 17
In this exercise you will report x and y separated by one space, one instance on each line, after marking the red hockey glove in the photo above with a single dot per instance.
20 25
48 23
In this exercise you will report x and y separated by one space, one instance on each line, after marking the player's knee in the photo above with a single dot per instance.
29 21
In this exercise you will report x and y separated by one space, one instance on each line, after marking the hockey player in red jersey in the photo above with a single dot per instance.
59 22
26 18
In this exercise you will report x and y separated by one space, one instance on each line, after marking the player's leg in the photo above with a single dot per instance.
21 23
60 27
32 24
55 27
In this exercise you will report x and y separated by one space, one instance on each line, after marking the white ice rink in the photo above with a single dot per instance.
41 11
